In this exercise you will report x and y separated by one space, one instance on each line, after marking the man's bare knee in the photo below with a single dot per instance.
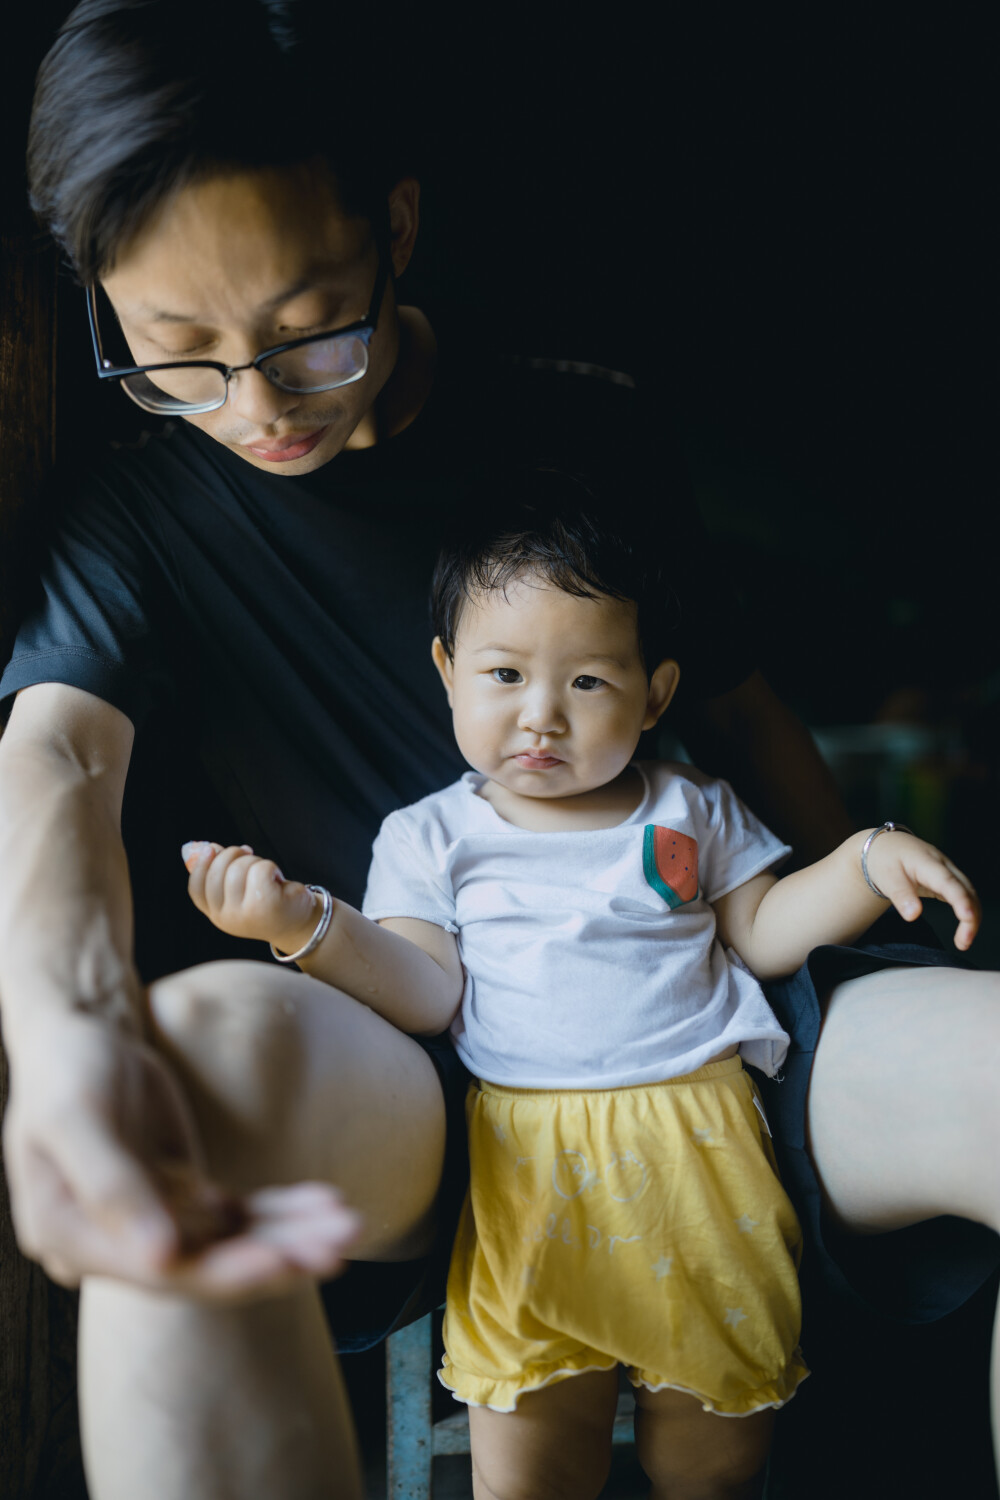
904 1112
228 1015
233 1033
291 1080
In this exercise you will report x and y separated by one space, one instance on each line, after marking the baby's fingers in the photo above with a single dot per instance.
208 865
933 875
198 855
959 893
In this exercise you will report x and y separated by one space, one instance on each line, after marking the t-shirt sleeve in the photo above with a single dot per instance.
92 620
735 846
406 877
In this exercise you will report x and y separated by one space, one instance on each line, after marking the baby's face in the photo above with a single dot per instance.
548 692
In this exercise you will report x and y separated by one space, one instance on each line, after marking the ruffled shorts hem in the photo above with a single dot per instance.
776 1394
491 1393
503 1395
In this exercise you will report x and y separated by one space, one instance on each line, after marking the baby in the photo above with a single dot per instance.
592 930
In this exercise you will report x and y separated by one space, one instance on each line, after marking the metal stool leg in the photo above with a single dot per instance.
409 1450
412 1440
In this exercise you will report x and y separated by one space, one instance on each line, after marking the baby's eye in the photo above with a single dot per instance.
507 675
588 684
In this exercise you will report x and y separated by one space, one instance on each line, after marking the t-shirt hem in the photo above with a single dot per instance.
764 1053
72 666
376 915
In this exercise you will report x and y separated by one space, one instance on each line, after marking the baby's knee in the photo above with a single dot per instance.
705 1456
568 1479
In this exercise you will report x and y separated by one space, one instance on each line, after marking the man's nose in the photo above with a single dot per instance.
256 400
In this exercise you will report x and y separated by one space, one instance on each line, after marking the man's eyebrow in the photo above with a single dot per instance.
308 283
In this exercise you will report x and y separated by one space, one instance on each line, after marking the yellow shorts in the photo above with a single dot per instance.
641 1226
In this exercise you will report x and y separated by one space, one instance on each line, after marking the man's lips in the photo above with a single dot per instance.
531 762
284 450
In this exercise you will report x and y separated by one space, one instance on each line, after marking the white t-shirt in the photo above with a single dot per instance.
590 955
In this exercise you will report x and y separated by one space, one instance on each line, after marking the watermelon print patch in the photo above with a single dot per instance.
670 864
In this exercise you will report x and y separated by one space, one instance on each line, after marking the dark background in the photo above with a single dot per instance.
785 231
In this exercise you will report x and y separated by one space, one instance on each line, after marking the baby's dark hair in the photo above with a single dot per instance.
559 527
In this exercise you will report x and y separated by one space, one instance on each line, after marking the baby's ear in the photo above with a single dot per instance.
662 687
444 664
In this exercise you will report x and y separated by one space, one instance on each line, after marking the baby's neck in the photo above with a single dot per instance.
603 807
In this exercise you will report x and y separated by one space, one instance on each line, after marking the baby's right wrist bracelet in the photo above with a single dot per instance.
885 828
319 934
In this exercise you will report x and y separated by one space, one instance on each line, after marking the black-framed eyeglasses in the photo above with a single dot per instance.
318 362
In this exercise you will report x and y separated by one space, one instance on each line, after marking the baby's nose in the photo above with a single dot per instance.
543 714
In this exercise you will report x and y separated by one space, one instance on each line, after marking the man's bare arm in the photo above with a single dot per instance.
755 741
65 898
103 1161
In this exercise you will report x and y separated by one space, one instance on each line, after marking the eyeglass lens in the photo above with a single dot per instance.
321 365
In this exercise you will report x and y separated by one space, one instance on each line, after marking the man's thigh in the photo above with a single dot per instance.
290 1080
904 1109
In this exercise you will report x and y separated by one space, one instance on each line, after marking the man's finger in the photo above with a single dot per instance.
292 1234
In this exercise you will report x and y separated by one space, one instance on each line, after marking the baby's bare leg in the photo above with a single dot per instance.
692 1454
555 1446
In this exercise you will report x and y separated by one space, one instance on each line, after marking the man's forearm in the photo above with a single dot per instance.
65 899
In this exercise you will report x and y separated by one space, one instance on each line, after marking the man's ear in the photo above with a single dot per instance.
444 664
662 687
404 221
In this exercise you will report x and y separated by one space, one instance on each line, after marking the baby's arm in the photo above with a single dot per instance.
408 971
773 924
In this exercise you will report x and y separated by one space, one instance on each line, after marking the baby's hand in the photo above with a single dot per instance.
249 897
905 869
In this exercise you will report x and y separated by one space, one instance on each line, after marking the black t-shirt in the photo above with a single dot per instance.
279 626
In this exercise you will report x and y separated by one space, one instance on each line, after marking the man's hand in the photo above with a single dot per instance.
249 897
106 1179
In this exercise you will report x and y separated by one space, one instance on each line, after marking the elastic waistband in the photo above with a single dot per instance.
700 1075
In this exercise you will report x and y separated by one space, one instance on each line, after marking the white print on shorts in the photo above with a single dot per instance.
562 1231
623 1177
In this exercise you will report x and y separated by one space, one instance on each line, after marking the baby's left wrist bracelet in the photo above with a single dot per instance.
319 934
885 828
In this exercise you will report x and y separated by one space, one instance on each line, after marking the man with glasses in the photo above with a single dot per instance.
318 362
256 573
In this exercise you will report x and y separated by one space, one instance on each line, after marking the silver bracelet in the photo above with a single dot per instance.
321 928
886 828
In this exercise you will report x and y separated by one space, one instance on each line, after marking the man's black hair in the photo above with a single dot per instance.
562 528
136 98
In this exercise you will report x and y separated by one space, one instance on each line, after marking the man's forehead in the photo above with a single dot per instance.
256 239
322 276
